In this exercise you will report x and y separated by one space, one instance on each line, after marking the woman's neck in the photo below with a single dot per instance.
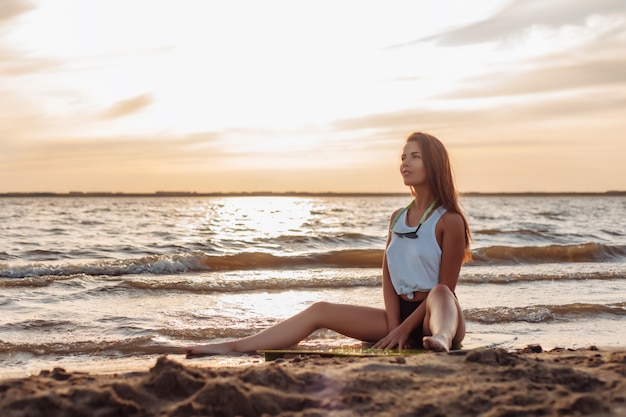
423 199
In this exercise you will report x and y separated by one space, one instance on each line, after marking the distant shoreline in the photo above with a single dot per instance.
298 194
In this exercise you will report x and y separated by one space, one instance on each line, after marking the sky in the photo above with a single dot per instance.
310 96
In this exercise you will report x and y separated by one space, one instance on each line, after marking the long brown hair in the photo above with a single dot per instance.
440 178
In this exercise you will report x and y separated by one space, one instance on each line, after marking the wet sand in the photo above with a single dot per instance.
483 382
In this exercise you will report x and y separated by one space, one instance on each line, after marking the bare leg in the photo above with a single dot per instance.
444 323
363 323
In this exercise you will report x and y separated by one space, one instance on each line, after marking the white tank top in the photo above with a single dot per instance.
414 263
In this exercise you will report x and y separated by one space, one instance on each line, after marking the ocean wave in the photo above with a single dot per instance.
41 274
126 346
344 239
161 340
249 285
195 262
301 280
40 325
511 277
544 313
525 233
588 252
156 344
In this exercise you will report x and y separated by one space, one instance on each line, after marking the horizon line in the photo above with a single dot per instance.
299 194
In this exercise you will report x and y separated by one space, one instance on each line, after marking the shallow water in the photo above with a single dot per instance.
117 280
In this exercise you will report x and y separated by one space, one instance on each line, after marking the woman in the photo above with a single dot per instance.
428 242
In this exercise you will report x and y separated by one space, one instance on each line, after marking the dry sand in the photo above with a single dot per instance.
490 382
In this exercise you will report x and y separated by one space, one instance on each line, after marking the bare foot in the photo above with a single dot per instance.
436 343
206 350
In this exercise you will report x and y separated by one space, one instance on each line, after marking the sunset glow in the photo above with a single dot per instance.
231 96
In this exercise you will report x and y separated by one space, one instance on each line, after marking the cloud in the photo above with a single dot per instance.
547 79
89 152
9 9
14 63
522 15
513 119
17 64
127 107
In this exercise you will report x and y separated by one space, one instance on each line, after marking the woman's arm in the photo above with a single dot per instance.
399 336
450 233
392 304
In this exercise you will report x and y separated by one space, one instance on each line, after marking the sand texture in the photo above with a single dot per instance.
488 382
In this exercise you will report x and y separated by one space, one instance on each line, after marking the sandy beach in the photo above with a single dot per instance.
485 382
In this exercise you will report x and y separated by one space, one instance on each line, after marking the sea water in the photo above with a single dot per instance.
111 283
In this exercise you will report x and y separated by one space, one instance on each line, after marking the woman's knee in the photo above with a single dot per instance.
440 290
319 310
440 295
319 306
319 314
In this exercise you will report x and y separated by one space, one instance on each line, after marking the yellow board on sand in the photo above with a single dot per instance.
273 354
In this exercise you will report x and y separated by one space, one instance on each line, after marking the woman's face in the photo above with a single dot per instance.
412 167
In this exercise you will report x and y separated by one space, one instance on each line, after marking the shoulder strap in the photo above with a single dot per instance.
395 220
426 213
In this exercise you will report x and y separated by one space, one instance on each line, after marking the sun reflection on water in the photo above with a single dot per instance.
233 224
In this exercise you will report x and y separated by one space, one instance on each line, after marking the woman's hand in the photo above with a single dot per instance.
397 338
